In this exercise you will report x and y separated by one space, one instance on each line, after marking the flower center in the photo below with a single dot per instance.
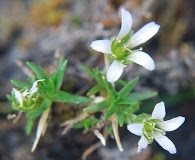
148 130
119 49
150 126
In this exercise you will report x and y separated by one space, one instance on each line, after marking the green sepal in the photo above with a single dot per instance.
128 88
37 70
22 109
142 117
97 107
130 118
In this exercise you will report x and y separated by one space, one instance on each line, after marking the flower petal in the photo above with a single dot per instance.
126 23
159 111
142 59
103 46
115 70
24 93
18 96
135 129
34 87
172 124
142 144
165 142
144 34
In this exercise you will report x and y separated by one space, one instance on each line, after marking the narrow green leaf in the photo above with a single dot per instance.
111 91
111 110
121 82
20 84
87 70
132 108
82 99
136 96
97 107
128 88
94 90
60 73
37 70
61 96
125 101
121 118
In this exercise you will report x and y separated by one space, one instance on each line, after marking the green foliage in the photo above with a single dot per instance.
124 103
38 93
47 91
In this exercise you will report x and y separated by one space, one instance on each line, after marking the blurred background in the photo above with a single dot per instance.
32 30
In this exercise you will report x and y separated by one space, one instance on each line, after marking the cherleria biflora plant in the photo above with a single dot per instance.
109 103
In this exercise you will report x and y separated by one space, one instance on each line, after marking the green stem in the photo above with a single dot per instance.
107 62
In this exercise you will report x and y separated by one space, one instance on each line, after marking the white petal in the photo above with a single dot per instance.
142 59
144 34
165 142
126 23
18 96
115 70
135 129
172 124
34 87
103 46
142 144
24 93
159 111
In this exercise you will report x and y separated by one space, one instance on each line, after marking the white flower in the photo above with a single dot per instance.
121 48
20 96
155 128
26 95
